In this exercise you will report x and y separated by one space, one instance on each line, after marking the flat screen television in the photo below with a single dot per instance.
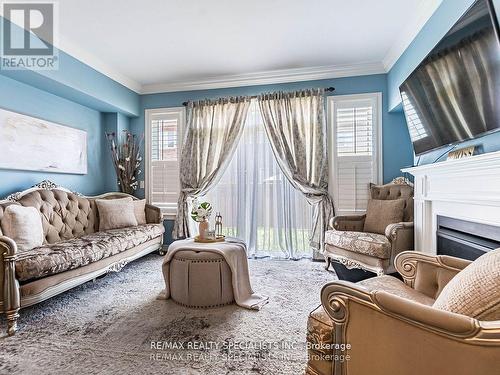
454 94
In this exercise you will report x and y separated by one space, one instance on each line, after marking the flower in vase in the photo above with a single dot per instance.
201 212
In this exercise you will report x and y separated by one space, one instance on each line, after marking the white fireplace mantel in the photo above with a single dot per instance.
467 189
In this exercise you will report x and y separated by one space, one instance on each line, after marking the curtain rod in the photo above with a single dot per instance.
256 96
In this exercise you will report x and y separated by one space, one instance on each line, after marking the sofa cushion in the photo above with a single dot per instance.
23 225
381 213
372 244
474 291
140 211
116 213
67 255
395 286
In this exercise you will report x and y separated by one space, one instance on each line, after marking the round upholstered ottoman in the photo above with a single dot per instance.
200 279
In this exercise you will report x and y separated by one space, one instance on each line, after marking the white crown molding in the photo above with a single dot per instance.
94 62
418 20
268 77
427 8
65 45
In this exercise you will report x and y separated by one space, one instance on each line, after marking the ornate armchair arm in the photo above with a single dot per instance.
392 230
395 323
10 297
353 222
426 273
153 214
401 237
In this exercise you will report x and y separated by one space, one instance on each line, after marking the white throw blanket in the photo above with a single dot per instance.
234 252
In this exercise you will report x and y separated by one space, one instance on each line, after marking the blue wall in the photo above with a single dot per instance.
75 95
112 123
28 99
22 98
79 83
433 31
78 96
396 143
397 150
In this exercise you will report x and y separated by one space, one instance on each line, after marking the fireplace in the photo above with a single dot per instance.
465 189
465 239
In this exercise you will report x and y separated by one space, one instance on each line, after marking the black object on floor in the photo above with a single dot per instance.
354 275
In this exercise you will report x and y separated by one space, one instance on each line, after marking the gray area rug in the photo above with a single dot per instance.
116 326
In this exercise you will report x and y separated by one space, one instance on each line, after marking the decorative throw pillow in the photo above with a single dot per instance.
23 225
116 213
381 213
474 291
140 211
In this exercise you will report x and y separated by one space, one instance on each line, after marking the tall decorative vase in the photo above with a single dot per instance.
203 228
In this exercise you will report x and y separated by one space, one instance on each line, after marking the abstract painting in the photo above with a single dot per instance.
28 143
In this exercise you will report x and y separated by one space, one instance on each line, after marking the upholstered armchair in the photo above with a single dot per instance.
352 243
440 320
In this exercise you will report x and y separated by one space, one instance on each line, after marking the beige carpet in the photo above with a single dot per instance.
108 327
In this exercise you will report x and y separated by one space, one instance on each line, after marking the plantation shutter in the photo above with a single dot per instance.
355 147
164 136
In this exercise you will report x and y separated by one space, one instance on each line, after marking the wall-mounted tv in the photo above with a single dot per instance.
454 94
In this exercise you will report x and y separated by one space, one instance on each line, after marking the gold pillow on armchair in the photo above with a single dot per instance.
381 213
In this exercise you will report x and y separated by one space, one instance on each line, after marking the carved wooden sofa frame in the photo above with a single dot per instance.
11 296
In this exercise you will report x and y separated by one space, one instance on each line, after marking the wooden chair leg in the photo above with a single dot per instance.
11 294
12 317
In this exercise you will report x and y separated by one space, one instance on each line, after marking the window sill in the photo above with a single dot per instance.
168 216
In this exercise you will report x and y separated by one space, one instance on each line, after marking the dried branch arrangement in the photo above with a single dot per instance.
126 154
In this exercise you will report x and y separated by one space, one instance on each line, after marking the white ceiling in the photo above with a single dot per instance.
169 45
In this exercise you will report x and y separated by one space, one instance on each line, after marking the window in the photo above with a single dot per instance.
163 133
171 139
163 139
356 157
257 202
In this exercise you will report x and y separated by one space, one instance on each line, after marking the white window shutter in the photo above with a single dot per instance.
355 150
353 179
164 184
163 136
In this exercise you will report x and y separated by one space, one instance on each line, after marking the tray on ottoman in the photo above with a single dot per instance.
206 240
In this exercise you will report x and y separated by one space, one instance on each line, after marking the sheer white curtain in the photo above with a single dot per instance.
257 202
212 133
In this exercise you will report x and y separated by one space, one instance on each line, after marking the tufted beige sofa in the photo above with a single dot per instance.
74 251
346 242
